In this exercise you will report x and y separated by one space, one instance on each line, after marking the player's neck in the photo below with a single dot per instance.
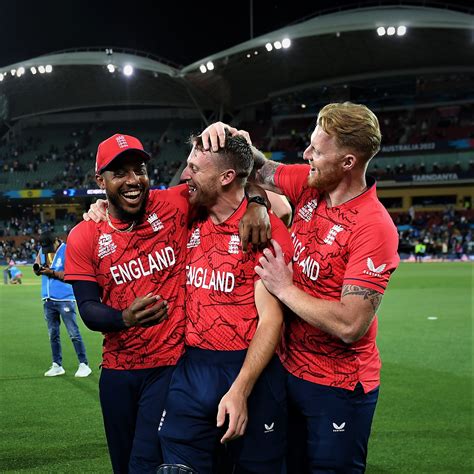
349 188
227 203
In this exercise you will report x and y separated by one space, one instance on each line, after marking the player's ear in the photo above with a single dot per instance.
100 181
228 176
349 161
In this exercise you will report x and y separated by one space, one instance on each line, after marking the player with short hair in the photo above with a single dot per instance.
15 273
128 277
233 325
345 252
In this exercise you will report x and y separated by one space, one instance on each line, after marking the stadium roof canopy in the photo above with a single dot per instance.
337 47
341 46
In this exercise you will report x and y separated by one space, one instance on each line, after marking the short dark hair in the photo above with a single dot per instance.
235 154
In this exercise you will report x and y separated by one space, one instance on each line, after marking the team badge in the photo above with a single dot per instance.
155 223
234 243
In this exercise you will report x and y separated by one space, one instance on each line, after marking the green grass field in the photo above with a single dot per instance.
423 423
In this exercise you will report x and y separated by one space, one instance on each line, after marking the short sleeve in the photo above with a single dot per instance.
373 257
79 254
291 179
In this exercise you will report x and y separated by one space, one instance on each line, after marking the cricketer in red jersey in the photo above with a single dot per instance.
345 251
233 326
117 268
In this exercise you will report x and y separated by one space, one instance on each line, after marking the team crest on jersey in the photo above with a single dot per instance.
373 270
331 237
234 243
195 239
106 245
155 223
306 212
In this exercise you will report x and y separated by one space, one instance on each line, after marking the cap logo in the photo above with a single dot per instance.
121 142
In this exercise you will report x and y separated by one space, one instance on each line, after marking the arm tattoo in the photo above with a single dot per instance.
263 172
373 296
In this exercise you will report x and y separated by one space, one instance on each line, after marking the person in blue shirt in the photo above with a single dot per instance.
58 303
15 274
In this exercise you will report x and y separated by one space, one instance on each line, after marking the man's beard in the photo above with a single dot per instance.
125 216
326 182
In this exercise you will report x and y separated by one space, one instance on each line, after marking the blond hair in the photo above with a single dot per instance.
354 127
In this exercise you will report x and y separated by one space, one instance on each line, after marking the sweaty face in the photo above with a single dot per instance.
202 177
127 186
325 160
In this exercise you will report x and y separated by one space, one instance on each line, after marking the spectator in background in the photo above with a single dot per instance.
15 274
58 302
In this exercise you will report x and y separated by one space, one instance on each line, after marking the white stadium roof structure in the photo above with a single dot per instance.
334 47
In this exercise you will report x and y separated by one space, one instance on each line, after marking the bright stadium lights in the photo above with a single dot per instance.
210 65
48 68
401 30
277 45
203 68
41 69
380 30
1 76
13 72
269 46
20 71
33 70
286 43
303 106
111 68
390 30
128 70
248 56
255 53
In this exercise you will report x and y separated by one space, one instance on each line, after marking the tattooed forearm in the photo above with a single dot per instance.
373 296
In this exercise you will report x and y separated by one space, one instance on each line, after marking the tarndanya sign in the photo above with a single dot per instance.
435 177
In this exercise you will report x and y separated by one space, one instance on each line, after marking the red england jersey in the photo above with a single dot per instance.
220 305
351 244
151 258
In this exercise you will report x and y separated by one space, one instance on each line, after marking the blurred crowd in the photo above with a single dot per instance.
447 234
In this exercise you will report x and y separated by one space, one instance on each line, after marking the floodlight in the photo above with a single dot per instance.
20 71
286 43
248 55
269 46
203 68
303 106
1 76
380 30
41 69
33 70
48 68
390 30
210 65
13 72
128 69
255 53
111 68
401 30
277 45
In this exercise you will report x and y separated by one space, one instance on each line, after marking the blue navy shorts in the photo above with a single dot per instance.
329 427
188 431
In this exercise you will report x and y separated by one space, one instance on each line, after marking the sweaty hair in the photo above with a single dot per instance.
354 127
236 154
